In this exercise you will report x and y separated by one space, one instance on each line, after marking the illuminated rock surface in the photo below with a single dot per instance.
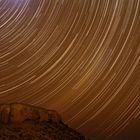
24 122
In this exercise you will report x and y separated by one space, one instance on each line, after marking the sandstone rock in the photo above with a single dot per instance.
17 113
4 113
26 122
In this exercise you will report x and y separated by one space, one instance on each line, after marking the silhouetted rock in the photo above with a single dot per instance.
26 122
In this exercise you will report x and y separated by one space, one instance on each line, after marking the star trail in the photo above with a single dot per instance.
79 57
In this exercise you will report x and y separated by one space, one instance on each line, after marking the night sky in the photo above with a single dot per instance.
79 57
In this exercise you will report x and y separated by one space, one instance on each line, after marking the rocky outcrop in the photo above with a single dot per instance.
26 122
17 113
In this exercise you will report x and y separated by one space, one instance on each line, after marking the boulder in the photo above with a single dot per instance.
18 112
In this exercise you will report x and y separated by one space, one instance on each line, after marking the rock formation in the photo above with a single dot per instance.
26 122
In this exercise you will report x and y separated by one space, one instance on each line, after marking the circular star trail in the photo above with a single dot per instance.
79 57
